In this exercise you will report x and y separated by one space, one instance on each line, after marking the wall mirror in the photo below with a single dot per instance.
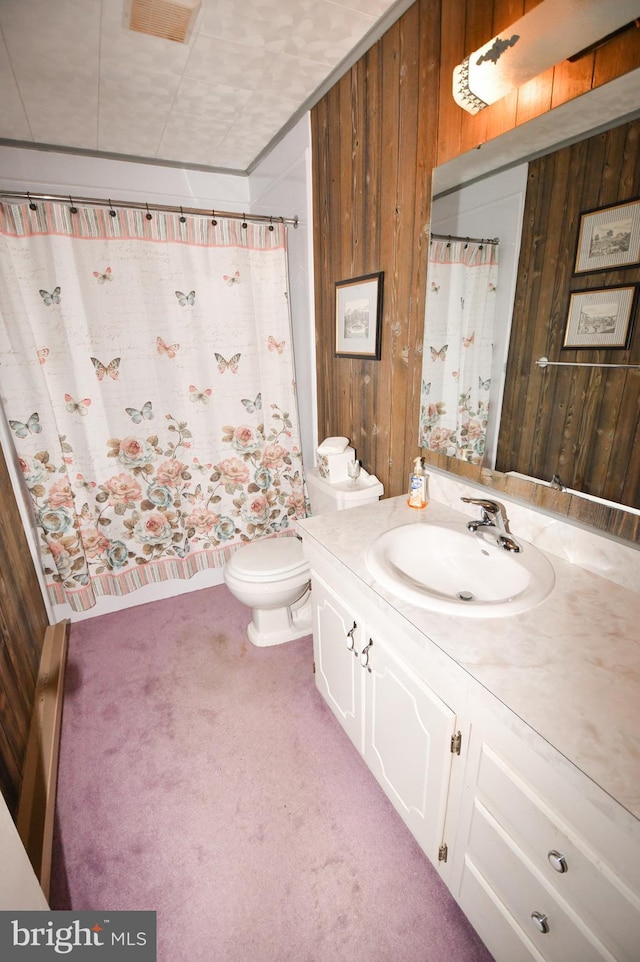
604 108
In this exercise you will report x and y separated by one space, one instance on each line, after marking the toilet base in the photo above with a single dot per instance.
274 626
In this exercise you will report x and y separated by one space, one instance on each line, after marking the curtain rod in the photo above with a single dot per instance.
101 202
470 240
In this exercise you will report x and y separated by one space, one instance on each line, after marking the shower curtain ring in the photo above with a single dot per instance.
112 212
214 221
148 215
244 222
73 208
183 219
271 227
32 206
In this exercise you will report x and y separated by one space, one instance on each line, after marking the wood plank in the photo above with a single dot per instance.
503 116
478 30
359 231
390 47
534 98
424 161
346 265
407 248
371 191
452 52
23 621
618 56
524 382
37 799
572 79
555 452
613 437
546 434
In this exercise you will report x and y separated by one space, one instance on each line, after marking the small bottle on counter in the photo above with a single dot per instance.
418 486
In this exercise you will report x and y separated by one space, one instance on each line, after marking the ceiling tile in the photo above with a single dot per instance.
45 37
192 140
209 101
134 104
252 69
317 30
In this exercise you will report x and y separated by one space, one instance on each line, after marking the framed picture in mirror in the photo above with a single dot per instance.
359 317
599 319
609 237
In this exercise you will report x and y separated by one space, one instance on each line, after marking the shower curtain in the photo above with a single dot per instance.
146 374
458 346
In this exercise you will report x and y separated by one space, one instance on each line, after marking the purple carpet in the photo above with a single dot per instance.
206 779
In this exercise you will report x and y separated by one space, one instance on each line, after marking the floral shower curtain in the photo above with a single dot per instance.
458 346
146 375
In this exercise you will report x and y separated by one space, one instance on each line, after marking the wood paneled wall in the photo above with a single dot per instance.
376 136
581 423
23 622
374 142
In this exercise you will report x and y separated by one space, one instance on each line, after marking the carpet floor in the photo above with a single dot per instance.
207 780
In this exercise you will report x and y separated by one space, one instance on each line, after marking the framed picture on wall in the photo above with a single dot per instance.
609 237
600 318
359 317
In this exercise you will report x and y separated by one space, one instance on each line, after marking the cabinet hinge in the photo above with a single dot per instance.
443 851
456 743
314 668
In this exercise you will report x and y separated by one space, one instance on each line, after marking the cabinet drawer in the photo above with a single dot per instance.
519 886
492 921
588 885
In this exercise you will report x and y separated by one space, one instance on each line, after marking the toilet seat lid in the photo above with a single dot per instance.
269 557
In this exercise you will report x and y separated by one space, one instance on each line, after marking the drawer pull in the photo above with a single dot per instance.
540 922
558 861
364 657
351 645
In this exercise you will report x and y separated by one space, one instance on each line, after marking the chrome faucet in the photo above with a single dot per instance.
491 517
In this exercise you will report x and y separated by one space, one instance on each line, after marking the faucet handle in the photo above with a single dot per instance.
488 507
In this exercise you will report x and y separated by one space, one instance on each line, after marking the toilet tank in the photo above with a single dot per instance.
343 494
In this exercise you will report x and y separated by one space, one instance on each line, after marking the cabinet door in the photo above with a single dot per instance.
408 732
337 646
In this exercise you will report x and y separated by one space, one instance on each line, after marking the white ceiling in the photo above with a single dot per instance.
73 76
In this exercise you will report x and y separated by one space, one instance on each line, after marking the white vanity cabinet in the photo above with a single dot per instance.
538 817
405 732
544 864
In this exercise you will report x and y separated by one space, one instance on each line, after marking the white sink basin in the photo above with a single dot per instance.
448 568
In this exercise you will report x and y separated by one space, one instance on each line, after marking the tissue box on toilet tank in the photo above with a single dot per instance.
333 456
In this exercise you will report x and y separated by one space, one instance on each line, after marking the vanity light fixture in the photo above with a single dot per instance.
550 33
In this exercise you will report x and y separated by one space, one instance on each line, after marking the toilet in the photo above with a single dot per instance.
272 577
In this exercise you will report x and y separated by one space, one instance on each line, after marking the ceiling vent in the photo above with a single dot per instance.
169 19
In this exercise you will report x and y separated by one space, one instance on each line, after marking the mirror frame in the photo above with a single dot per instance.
603 108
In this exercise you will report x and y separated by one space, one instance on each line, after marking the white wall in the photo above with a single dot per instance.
41 171
492 207
19 886
280 186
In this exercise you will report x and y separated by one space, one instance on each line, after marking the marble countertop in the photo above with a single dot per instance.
569 667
